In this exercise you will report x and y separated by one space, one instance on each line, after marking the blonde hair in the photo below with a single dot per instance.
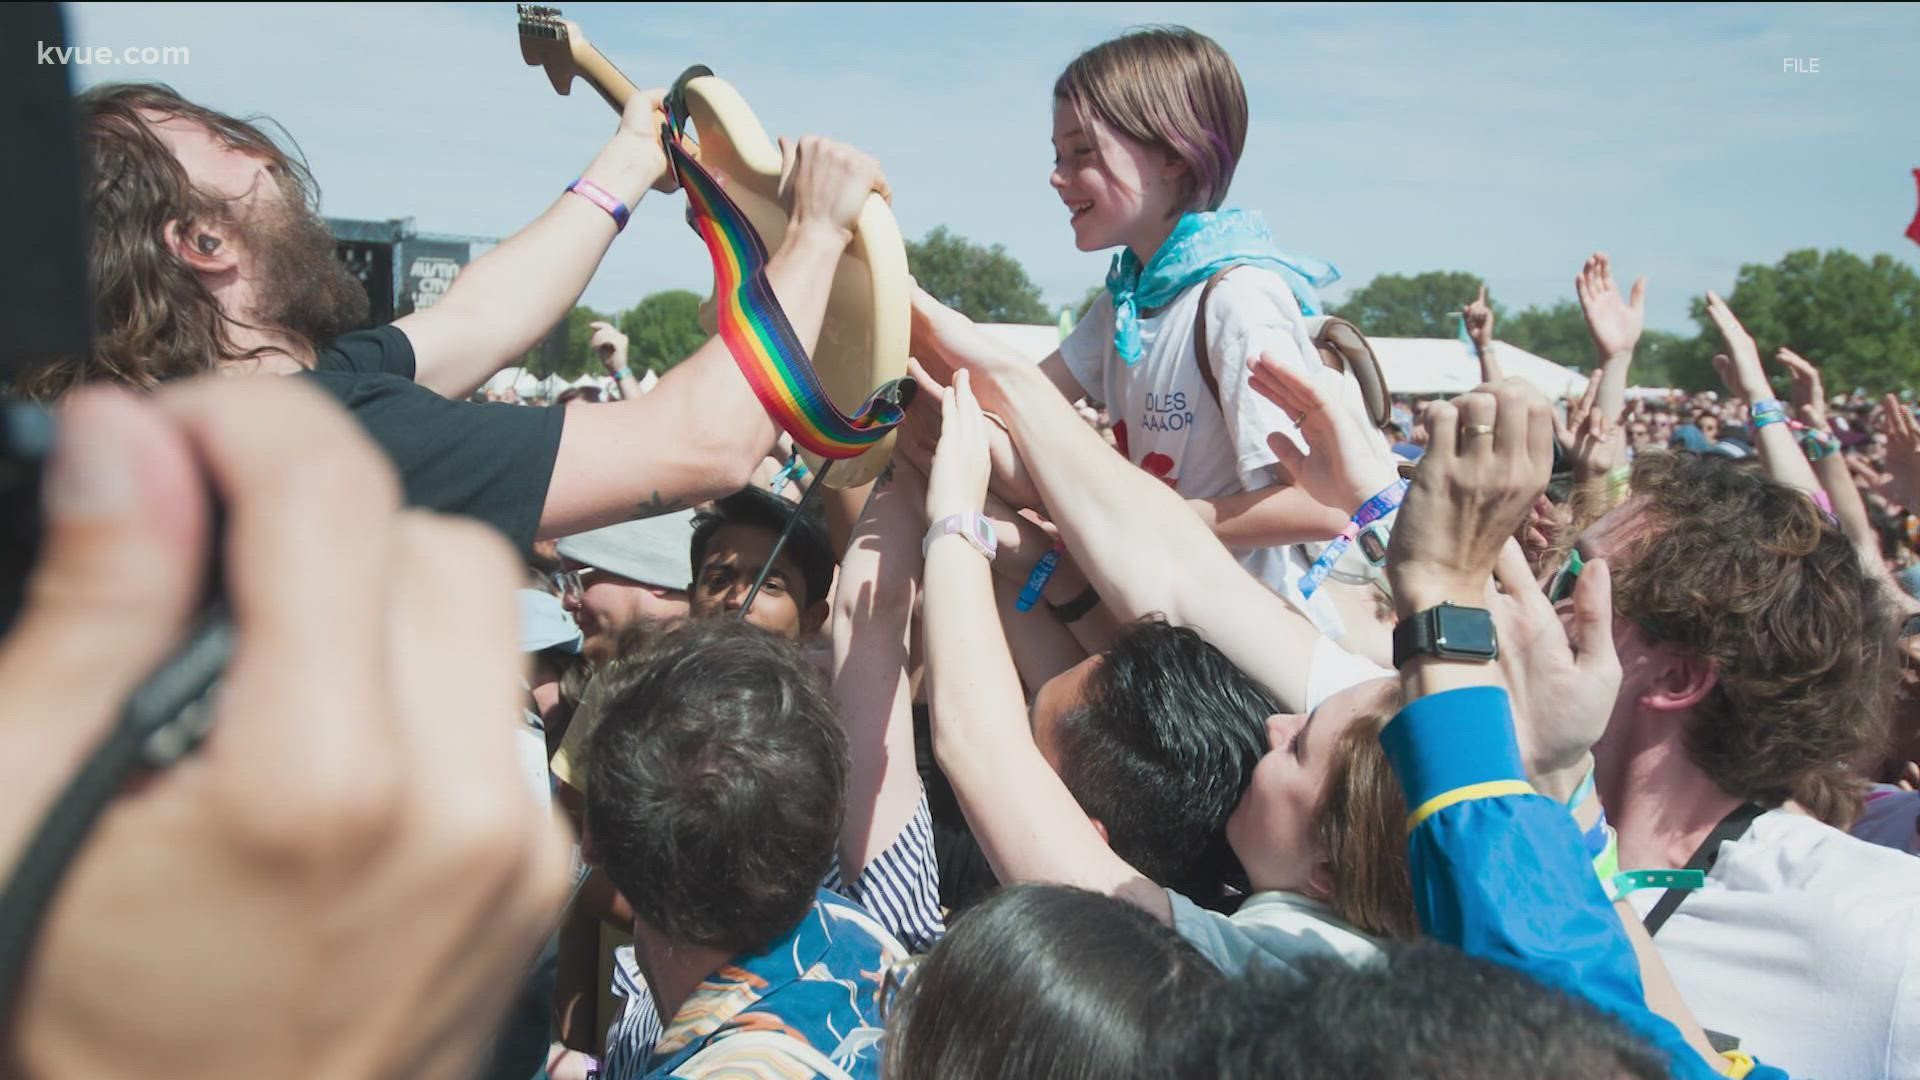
1171 89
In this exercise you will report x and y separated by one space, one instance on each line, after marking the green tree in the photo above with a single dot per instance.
564 351
983 283
1423 305
663 330
1086 302
1558 333
1859 320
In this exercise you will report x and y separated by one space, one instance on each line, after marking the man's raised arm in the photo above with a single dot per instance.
700 432
507 300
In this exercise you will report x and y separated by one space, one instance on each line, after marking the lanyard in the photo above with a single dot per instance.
1731 827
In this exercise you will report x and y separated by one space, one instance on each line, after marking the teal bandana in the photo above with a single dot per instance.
1200 246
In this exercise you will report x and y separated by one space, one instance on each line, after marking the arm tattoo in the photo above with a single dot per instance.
657 505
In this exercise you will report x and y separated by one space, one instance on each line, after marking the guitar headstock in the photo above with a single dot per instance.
551 42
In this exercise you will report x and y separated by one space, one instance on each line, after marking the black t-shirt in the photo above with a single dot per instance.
491 462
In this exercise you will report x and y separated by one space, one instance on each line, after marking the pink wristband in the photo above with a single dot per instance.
603 199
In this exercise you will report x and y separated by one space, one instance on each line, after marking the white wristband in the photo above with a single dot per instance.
973 525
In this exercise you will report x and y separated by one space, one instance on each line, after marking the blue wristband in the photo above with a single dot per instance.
1037 581
1386 502
1768 411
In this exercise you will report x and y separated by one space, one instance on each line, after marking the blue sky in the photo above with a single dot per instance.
1508 141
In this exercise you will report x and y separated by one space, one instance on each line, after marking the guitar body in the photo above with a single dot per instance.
864 338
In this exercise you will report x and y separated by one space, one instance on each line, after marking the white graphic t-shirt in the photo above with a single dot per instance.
1166 420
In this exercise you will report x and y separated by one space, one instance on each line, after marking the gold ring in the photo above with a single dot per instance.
1477 429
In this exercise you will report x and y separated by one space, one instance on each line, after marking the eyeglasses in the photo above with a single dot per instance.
1560 585
571 585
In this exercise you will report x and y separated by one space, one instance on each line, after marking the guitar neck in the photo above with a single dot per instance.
591 65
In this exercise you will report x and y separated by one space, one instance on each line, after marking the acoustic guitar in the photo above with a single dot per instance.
863 341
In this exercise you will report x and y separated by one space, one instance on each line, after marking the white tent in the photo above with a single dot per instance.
1036 343
1413 365
1443 366
504 378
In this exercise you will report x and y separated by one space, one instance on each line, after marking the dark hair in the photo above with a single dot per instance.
1048 981
809 547
576 393
1423 1010
1744 573
1161 749
153 318
716 784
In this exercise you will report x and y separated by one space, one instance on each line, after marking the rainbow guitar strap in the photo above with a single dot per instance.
752 323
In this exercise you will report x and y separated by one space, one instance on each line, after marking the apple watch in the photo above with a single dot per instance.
1449 632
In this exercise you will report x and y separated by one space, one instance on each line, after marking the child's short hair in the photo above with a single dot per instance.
1172 89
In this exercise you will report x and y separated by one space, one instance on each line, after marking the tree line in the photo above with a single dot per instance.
1859 318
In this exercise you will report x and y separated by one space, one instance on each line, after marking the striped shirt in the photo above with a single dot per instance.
900 888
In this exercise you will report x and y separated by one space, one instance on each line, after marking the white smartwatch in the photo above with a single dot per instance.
973 525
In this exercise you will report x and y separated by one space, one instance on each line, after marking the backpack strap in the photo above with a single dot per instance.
1731 827
1339 343
1200 351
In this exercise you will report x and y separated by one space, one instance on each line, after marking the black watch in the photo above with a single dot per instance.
1449 632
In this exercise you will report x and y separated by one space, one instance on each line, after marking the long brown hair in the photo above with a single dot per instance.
153 318
1362 829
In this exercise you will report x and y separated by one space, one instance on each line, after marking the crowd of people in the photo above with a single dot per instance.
1157 712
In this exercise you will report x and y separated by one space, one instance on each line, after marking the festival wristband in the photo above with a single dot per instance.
603 199
1817 444
1382 504
623 374
1037 581
1768 411
973 525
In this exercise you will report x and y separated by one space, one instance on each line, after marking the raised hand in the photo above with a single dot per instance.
1010 481
1615 322
1490 456
1346 462
1809 395
1479 316
640 131
610 346
1599 447
1563 678
828 183
1739 366
963 462
1903 451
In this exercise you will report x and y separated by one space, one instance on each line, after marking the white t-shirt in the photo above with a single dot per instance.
1804 945
1165 417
